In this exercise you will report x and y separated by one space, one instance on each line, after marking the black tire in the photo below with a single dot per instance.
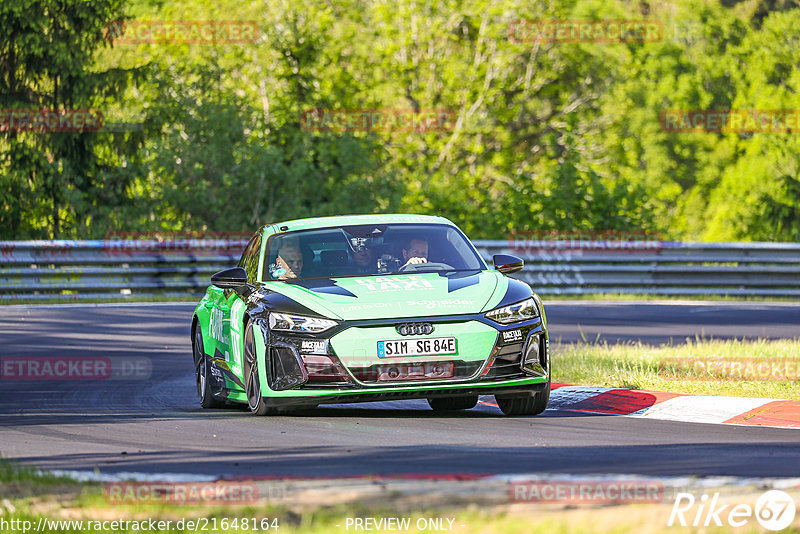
201 371
452 404
527 405
252 384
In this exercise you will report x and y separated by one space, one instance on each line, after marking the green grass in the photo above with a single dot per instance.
469 519
27 494
674 368
11 472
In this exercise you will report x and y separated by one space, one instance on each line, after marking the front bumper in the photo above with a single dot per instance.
518 387
491 359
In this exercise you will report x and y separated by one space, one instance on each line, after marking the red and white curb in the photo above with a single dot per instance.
676 406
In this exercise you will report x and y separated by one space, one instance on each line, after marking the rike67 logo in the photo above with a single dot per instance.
774 510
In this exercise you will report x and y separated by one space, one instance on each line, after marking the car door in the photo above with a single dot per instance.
231 307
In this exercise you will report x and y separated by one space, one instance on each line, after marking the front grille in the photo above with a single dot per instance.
327 385
369 374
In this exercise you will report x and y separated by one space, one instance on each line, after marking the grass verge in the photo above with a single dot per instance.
756 368
43 509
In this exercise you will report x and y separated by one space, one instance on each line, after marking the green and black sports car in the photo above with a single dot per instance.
370 308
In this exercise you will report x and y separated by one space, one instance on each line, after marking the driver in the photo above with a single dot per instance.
415 251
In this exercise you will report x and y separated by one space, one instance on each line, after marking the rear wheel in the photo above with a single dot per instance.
452 404
252 384
526 405
201 371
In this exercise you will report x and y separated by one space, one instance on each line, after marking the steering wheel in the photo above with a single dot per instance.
425 267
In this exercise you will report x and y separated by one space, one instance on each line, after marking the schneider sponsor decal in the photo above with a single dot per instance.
444 303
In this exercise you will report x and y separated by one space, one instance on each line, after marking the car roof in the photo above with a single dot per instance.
343 220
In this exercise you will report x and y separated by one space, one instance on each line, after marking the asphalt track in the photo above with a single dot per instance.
155 426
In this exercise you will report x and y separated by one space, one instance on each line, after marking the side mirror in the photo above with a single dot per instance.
507 264
232 278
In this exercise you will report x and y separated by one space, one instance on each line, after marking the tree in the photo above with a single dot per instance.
56 177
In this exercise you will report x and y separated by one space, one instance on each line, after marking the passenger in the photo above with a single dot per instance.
289 263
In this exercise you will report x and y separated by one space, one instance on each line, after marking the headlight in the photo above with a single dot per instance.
519 311
299 323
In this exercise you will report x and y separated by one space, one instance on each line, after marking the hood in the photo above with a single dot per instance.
397 295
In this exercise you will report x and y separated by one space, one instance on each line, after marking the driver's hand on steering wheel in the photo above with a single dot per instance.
415 261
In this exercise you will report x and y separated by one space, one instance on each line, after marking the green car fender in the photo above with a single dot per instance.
203 314
261 357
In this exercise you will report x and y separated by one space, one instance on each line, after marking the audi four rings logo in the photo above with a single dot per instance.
414 329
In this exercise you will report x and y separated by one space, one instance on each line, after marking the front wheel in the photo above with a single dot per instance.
252 384
452 404
527 405
201 365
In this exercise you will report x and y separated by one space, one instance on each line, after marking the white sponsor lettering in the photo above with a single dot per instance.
512 335
215 320
313 346
394 283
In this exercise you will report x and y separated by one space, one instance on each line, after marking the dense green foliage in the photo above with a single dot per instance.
550 135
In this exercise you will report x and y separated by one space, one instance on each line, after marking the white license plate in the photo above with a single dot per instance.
430 346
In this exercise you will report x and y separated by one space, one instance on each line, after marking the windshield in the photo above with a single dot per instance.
365 250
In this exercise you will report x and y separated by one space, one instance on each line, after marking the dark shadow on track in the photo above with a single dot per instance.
704 459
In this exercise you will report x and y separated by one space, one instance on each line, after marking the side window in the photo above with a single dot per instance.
250 258
246 252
